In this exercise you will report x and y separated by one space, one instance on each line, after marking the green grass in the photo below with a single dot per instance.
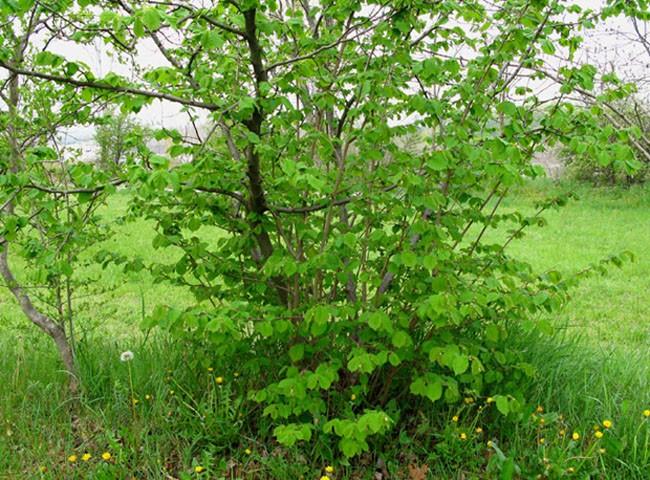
612 312
596 366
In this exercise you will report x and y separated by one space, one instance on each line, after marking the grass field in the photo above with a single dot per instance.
595 367
612 312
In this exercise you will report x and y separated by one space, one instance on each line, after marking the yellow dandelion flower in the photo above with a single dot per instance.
454 418
542 421
539 409
86 456
598 434
42 469
236 374
601 450
248 451
147 397
570 470
490 444
199 469
329 469
72 458
542 441
575 436
607 423
210 369
489 400
219 380
106 456
463 436
646 413
479 430
324 477
353 397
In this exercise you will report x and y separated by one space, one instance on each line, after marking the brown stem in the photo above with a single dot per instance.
257 205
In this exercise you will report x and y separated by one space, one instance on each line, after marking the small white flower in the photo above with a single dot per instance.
126 356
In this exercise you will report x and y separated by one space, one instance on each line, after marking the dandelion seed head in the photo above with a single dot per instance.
126 356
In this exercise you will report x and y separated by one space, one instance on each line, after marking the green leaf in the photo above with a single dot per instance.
297 352
438 161
492 333
265 328
508 108
211 39
151 18
460 364
502 404
138 28
289 435
408 259
429 386
548 47
351 447
379 321
401 339
394 359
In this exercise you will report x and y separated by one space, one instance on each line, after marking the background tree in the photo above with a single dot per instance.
623 59
118 135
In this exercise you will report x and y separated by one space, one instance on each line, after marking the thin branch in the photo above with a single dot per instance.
97 189
110 88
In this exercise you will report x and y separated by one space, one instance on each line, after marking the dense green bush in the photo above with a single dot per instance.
348 279
351 283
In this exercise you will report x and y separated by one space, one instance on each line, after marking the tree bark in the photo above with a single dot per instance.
49 326
257 204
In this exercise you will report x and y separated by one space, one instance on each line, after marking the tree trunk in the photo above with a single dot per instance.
49 326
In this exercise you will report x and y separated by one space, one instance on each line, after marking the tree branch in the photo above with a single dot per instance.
109 88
